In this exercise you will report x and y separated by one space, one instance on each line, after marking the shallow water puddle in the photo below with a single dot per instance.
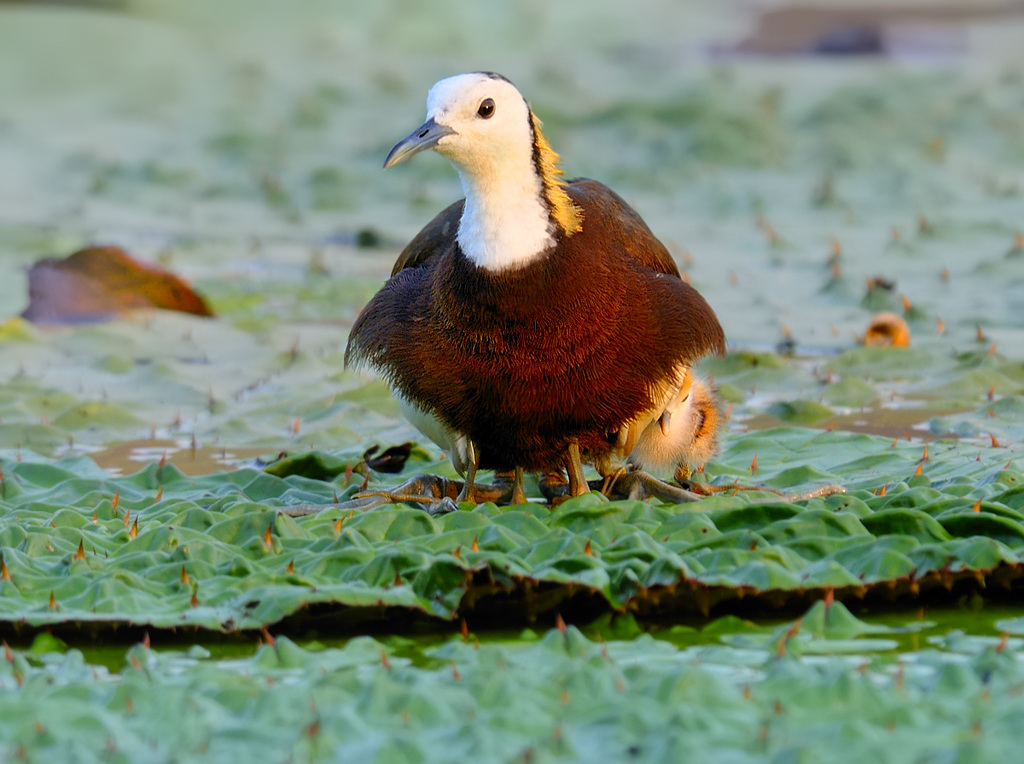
907 422
128 458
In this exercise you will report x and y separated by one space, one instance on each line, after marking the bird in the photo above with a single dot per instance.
537 324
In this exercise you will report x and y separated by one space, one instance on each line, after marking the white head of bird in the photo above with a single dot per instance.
484 127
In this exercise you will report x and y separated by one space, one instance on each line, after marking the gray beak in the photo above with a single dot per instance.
422 138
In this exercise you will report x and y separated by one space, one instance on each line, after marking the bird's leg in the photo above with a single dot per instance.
474 462
610 479
518 494
508 487
574 467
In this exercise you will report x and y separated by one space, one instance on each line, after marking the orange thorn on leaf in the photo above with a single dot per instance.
268 537
117 497
291 567
135 527
474 547
559 623
977 506
53 601
80 554
587 550
995 443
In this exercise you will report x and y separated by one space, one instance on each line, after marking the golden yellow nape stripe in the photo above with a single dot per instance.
567 215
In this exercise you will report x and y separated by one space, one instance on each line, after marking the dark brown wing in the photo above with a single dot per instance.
435 237
637 239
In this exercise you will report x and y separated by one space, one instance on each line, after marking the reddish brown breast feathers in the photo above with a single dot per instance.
522 361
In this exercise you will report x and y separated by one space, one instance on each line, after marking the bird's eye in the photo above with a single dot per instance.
486 110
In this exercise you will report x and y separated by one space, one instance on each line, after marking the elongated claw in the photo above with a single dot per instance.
826 490
642 485
705 489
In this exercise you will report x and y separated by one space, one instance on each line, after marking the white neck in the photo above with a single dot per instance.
506 222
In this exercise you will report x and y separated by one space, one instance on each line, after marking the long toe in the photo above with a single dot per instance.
511 484
641 485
